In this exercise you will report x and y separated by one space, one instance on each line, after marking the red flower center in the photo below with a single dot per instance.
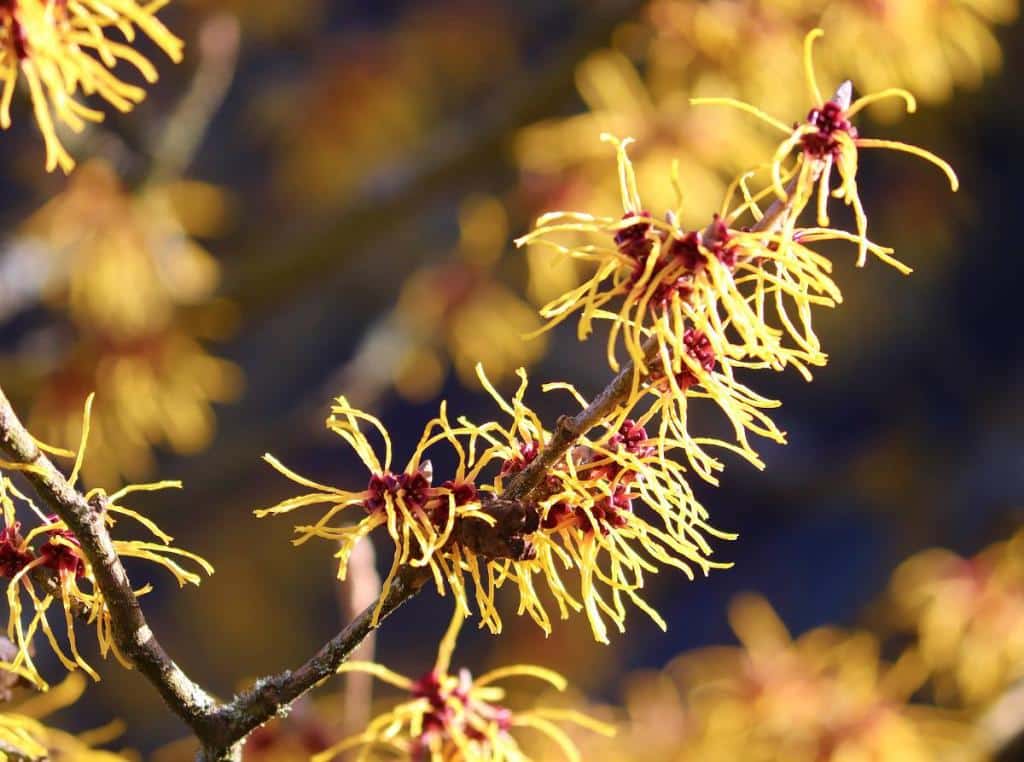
828 120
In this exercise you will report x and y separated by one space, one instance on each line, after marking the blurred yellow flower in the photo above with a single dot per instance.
123 261
158 390
62 48
455 312
823 697
124 265
924 45
24 737
968 614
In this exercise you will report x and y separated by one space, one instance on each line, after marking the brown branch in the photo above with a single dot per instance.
132 634
272 696
516 518
221 727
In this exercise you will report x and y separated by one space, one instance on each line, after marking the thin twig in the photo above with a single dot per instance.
271 696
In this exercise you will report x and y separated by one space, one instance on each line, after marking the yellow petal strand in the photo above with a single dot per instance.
742 106
895 145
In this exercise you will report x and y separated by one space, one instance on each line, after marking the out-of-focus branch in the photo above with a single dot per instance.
358 592
219 41
265 278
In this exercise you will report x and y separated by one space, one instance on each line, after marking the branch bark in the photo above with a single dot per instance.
132 634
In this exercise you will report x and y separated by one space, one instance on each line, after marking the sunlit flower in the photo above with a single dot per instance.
22 733
454 717
419 516
969 616
701 303
589 520
827 139
63 48
45 566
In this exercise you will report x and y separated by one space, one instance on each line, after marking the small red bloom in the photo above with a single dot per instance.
528 451
632 240
829 119
63 557
14 556
379 487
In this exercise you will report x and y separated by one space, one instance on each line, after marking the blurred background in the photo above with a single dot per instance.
322 199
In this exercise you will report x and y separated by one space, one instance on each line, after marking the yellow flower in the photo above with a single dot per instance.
456 718
969 616
123 264
21 731
46 566
704 300
827 139
61 48
419 517
589 522
825 696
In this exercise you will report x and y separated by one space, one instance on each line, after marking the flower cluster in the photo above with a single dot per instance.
63 49
45 568
691 309
419 516
640 86
584 524
827 139
456 717
611 510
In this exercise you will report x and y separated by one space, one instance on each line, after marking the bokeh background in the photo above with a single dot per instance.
321 200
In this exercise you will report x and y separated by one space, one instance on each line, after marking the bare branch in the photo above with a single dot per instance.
271 696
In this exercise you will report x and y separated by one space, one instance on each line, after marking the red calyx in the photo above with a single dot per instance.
63 557
632 240
528 451
12 557
829 119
